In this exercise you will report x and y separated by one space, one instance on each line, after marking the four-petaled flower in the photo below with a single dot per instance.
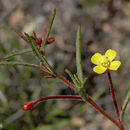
105 62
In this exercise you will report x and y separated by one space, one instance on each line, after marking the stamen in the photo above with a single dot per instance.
106 62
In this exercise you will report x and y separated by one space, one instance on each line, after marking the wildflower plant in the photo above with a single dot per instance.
104 63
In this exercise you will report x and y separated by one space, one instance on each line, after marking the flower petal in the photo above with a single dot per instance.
115 65
111 54
99 69
96 58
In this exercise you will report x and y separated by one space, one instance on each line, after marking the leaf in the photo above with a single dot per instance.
15 54
15 63
72 77
47 30
127 99
77 79
78 55
85 79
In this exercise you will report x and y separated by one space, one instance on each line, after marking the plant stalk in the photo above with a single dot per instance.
90 101
114 100
58 97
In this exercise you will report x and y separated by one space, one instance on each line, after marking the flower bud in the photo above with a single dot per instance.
28 106
39 42
50 40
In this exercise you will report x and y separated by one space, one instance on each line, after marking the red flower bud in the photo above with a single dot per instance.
50 40
28 106
39 42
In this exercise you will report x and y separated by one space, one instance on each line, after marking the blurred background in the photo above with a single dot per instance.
105 24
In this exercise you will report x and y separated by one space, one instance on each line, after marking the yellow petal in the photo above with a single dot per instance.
96 58
111 54
99 69
115 65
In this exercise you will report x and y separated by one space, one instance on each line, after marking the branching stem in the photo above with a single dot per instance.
90 101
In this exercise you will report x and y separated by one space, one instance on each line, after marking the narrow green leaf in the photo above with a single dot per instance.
15 54
85 79
38 54
78 55
15 63
127 99
72 77
47 30
77 79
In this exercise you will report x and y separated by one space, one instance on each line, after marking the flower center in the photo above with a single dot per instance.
106 62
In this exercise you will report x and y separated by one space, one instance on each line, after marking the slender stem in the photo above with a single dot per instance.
75 98
88 99
113 96
15 63
15 54
114 100
102 111
30 105
58 97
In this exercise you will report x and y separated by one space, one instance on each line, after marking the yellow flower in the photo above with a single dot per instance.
105 62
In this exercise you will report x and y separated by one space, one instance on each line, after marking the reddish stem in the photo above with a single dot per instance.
92 103
29 105
113 95
20 35
102 111
114 100
58 97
